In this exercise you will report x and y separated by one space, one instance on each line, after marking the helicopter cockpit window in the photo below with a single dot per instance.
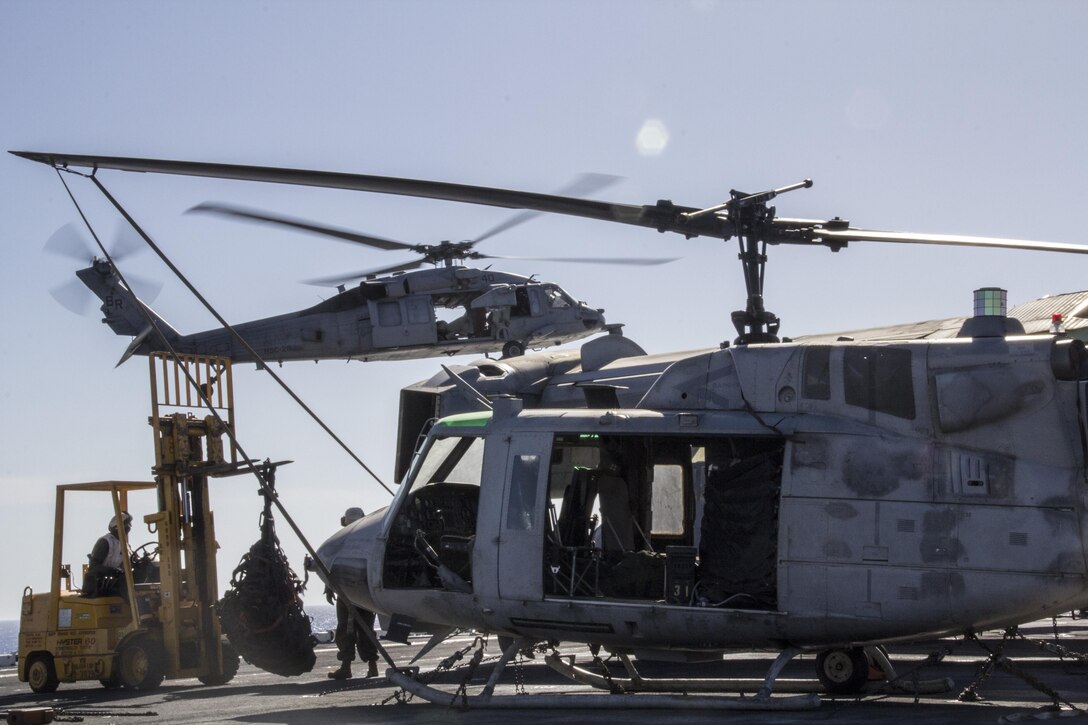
557 298
880 379
434 529
451 460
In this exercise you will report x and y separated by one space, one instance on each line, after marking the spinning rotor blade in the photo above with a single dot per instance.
636 261
341 234
68 242
73 296
339 279
584 184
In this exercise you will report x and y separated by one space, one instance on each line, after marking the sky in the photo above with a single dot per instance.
933 117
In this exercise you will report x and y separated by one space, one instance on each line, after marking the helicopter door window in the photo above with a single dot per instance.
389 314
521 303
419 311
521 510
537 302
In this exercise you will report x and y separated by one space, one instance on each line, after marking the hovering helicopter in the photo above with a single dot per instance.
392 313
825 496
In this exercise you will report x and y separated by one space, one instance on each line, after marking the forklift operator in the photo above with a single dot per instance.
105 577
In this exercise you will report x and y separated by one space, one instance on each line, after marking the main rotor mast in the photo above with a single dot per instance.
752 221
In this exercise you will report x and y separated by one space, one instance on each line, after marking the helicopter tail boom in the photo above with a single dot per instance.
121 310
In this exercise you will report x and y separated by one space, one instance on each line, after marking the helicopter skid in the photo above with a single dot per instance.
598 702
637 683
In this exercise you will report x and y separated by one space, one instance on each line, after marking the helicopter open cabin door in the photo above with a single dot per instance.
403 321
522 524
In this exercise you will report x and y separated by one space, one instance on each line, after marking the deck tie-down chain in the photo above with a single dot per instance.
997 659
403 697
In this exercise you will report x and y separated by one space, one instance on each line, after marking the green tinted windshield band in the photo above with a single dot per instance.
470 420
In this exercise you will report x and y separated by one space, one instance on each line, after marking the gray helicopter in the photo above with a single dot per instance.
394 312
825 496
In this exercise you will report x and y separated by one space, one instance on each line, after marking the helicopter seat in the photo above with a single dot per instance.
572 559
573 525
617 529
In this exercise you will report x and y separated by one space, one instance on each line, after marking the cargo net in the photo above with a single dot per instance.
262 613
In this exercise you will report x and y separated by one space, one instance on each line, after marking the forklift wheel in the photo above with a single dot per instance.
112 682
141 664
230 668
41 673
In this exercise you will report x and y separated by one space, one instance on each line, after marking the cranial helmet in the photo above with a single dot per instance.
125 516
351 515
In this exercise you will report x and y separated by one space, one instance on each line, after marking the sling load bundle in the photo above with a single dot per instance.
262 613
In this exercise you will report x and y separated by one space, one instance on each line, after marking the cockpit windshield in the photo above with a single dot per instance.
451 460
557 298
433 530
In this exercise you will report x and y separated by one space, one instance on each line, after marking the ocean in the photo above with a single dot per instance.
323 616
9 636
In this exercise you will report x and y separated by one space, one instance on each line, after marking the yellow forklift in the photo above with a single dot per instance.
163 623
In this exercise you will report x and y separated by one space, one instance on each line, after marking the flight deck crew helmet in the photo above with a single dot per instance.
126 517
352 515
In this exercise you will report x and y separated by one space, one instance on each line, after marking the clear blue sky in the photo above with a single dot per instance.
958 117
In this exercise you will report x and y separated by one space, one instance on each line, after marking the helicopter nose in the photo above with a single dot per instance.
593 319
347 554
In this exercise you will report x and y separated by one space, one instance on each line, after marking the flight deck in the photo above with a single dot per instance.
254 696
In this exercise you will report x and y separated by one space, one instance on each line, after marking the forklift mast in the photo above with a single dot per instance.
189 449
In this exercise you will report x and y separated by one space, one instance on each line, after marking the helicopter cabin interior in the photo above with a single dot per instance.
684 520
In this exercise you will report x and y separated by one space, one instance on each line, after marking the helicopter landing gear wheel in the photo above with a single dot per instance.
513 348
140 664
41 673
843 671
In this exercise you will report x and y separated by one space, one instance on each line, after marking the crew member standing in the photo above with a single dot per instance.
348 637
105 577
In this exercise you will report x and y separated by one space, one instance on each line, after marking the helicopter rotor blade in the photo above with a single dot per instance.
582 185
68 242
73 296
632 261
871 235
145 288
344 235
339 279
667 217
663 216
